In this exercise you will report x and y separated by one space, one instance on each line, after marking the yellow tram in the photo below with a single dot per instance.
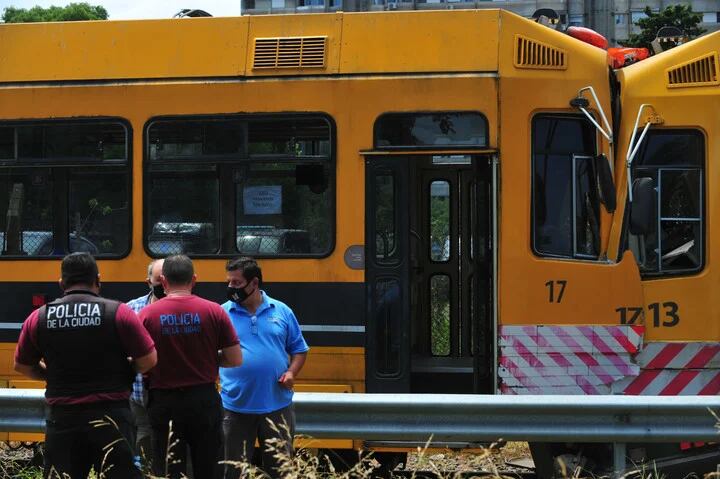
443 197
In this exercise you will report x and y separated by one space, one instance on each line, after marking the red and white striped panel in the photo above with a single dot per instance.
603 360
670 382
566 359
675 369
679 356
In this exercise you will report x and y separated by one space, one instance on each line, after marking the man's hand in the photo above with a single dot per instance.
287 380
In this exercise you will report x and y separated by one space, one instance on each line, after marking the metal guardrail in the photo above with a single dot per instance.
526 418
457 418
22 410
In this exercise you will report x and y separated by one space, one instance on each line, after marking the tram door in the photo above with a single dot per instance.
428 273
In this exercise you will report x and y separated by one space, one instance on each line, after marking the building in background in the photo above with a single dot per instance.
627 12
612 18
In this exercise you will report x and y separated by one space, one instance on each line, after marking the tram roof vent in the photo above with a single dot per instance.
701 71
289 52
537 55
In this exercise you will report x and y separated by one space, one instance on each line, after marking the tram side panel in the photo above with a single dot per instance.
560 325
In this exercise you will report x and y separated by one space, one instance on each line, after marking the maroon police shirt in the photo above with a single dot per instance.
134 338
188 331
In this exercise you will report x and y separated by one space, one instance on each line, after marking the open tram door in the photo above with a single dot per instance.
429 268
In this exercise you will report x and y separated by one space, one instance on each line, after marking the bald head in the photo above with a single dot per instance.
155 271
153 279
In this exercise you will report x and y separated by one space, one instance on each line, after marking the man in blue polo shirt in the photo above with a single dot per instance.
274 351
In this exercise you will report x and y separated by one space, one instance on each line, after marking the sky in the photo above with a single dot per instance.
133 9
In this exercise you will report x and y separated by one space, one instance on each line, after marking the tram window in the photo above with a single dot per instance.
290 137
587 208
7 143
566 207
98 212
440 315
674 159
193 139
29 230
71 142
388 311
283 208
385 220
183 213
439 221
259 186
49 206
431 130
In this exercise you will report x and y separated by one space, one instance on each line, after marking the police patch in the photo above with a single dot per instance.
74 315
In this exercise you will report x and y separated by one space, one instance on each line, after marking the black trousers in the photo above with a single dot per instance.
182 419
85 436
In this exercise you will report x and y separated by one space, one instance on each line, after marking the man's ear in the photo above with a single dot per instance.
60 283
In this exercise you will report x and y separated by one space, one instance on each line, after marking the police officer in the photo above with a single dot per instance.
194 337
88 349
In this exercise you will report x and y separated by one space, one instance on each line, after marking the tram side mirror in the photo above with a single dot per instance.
606 185
641 208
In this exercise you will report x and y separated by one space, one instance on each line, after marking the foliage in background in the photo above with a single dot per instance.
680 16
71 13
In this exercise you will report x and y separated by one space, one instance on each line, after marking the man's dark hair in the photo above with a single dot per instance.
178 269
247 266
78 269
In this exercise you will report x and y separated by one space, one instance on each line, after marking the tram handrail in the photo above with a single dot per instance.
476 418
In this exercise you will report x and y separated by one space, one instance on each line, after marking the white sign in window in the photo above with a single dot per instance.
262 200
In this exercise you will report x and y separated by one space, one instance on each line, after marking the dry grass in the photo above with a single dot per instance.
305 465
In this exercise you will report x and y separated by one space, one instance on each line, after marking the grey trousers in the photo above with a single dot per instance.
143 439
241 430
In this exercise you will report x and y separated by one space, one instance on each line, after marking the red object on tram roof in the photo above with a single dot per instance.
588 36
622 57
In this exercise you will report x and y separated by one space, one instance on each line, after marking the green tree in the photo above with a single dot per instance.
680 16
70 13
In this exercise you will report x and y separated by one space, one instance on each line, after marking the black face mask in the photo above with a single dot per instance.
158 291
237 295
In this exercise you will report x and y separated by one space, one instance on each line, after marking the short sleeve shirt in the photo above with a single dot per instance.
268 337
134 339
188 332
